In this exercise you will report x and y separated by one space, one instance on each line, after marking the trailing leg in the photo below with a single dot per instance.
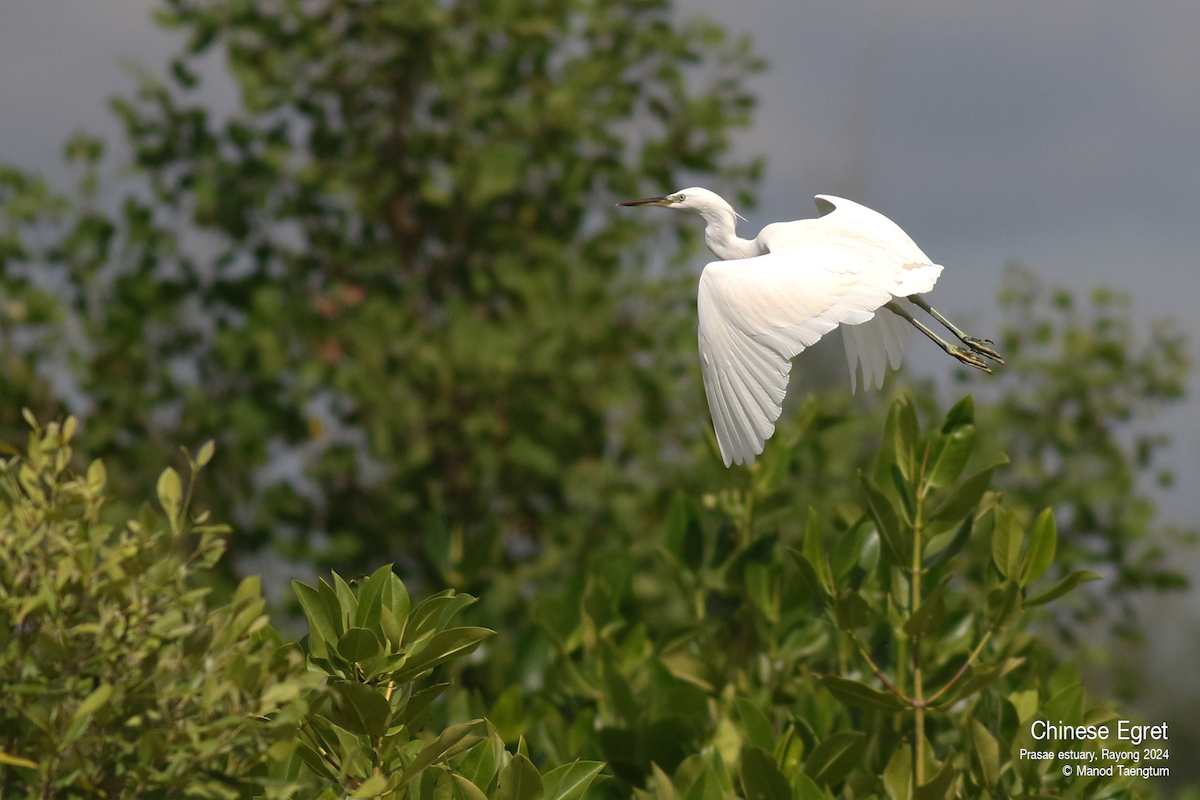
963 354
978 345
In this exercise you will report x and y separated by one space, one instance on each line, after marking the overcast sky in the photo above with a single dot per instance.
1061 135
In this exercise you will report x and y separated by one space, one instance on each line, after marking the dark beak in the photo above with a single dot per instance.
649 201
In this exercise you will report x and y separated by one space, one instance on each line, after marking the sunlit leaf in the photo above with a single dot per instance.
897 775
1006 542
570 781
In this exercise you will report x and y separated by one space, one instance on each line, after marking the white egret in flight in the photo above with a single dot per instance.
770 297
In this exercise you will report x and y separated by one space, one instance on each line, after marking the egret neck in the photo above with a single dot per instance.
721 237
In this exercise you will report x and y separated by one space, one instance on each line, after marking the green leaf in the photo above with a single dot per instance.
907 433
928 618
811 583
894 543
520 781
1027 768
418 703
763 589
1006 542
902 492
333 609
987 755
961 537
359 645
758 728
948 455
443 647
96 700
314 761
206 453
359 708
1004 604
370 598
936 788
833 758
371 787
320 626
1024 703
435 749
688 774
814 552
850 611
804 788
392 632
1062 587
982 677
856 693
761 778
395 597
960 415
1065 706
963 499
1042 545
897 776
347 602
706 786
97 476
170 493
16 761
480 763
433 615
468 789
849 549
570 781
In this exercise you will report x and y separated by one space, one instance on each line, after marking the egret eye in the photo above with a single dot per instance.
679 198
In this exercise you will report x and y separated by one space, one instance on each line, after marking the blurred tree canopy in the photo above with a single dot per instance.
394 287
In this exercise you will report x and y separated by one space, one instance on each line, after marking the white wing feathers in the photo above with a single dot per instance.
876 344
757 313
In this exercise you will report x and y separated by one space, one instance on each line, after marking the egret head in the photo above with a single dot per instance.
695 199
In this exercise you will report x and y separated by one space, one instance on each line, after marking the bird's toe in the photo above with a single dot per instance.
981 346
969 358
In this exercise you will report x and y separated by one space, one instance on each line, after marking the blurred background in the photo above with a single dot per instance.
1038 151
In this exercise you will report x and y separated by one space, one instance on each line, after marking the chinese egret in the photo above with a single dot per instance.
770 297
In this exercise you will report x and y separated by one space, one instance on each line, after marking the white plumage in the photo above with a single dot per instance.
771 297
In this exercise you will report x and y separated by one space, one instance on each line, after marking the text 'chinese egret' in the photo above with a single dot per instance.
769 298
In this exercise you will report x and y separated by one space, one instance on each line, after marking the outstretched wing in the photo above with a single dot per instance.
757 313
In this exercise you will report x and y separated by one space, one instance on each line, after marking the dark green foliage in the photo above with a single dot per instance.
1080 389
805 704
115 678
367 734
